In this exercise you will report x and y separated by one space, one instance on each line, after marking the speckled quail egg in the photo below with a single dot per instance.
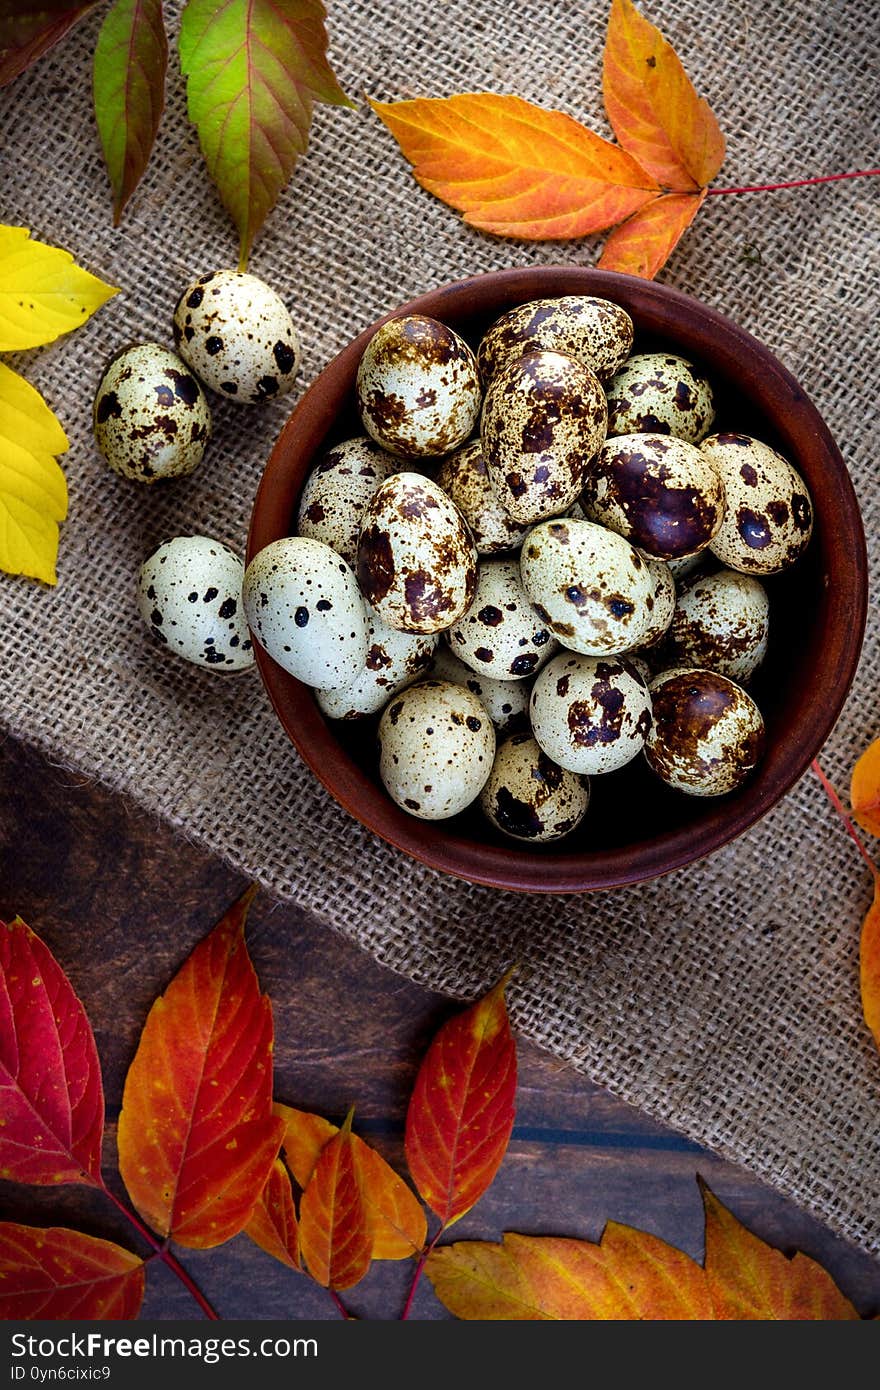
150 416
661 603
544 417
592 331
236 333
394 660
529 797
721 623
416 564
590 714
334 499
659 393
506 702
592 588
657 491
687 565
189 594
436 745
708 734
501 635
302 604
464 477
769 516
418 388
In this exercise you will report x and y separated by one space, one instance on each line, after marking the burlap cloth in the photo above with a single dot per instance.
723 999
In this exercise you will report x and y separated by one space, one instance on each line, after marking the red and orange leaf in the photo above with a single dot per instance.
653 107
514 168
461 1113
128 79
53 1273
51 1097
29 28
869 965
396 1219
335 1236
864 793
643 244
273 1224
197 1137
749 1280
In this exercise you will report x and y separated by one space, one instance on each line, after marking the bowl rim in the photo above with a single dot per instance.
514 867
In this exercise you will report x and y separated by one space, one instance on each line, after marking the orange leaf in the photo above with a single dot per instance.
864 792
514 168
653 107
869 965
197 1137
335 1237
396 1220
750 1280
273 1224
643 244
53 1272
461 1113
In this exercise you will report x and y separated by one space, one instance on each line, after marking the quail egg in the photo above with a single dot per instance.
302 604
769 516
590 586
721 623
708 734
335 497
529 797
657 491
506 702
595 332
416 564
394 660
436 746
150 416
418 388
189 594
465 478
661 603
543 419
501 635
590 714
659 393
236 333
687 565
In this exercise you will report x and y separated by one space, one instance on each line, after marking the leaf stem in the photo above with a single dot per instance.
795 183
340 1306
422 1261
162 1253
844 816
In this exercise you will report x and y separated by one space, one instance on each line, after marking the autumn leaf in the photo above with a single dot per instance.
33 489
50 1079
652 105
461 1113
864 793
29 28
43 292
644 243
52 1273
869 965
273 1224
197 1137
335 1236
131 58
254 70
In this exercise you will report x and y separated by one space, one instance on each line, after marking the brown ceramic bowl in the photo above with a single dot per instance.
636 828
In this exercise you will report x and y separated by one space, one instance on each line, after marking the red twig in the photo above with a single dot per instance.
844 816
796 183
161 1252
343 1311
422 1261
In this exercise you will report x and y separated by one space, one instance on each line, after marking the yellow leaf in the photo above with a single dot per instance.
33 489
864 792
43 292
643 244
869 965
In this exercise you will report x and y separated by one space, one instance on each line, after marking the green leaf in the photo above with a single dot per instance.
254 70
28 30
33 489
43 292
131 58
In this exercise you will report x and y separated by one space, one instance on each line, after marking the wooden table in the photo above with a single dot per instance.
121 899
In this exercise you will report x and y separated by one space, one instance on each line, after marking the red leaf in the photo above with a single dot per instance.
273 1224
642 245
50 1076
335 1236
28 30
461 1113
131 57
197 1137
56 1273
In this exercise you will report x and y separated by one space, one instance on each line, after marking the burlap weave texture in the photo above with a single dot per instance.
723 999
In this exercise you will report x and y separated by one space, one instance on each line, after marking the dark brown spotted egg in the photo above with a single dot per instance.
335 497
661 493
659 393
721 623
501 635
590 586
769 517
529 797
150 416
544 417
506 702
593 331
236 333
189 594
437 744
661 603
464 477
590 714
416 564
708 734
418 389
394 660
